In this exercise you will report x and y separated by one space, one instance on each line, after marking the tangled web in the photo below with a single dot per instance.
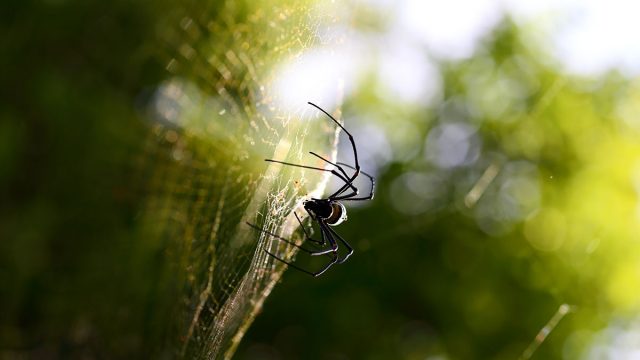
213 123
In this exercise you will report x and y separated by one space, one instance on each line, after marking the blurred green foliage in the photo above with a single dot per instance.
72 72
98 214
436 276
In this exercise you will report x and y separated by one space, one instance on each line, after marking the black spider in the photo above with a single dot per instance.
327 212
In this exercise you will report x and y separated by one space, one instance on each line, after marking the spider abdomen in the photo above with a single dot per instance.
338 214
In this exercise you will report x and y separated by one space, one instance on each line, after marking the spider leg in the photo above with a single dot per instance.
334 257
344 242
330 162
309 251
314 274
353 144
306 233
347 184
344 177
350 197
310 167
334 248
333 252
356 168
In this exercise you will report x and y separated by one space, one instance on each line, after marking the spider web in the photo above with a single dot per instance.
214 121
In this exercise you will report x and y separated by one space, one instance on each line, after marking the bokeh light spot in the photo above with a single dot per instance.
452 144
546 230
623 290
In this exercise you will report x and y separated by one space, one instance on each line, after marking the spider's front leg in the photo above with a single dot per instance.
348 183
351 197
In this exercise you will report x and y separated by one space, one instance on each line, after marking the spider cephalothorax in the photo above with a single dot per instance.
328 212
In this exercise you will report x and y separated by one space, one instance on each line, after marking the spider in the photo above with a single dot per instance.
327 212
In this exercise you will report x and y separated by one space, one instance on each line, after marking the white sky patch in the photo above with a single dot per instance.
589 37
317 76
374 150
523 10
618 341
452 28
407 74
601 35
452 144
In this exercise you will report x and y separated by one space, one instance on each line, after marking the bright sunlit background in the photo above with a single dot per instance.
516 122
504 136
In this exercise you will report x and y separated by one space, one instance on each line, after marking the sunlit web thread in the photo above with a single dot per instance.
206 292
220 114
482 184
563 310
